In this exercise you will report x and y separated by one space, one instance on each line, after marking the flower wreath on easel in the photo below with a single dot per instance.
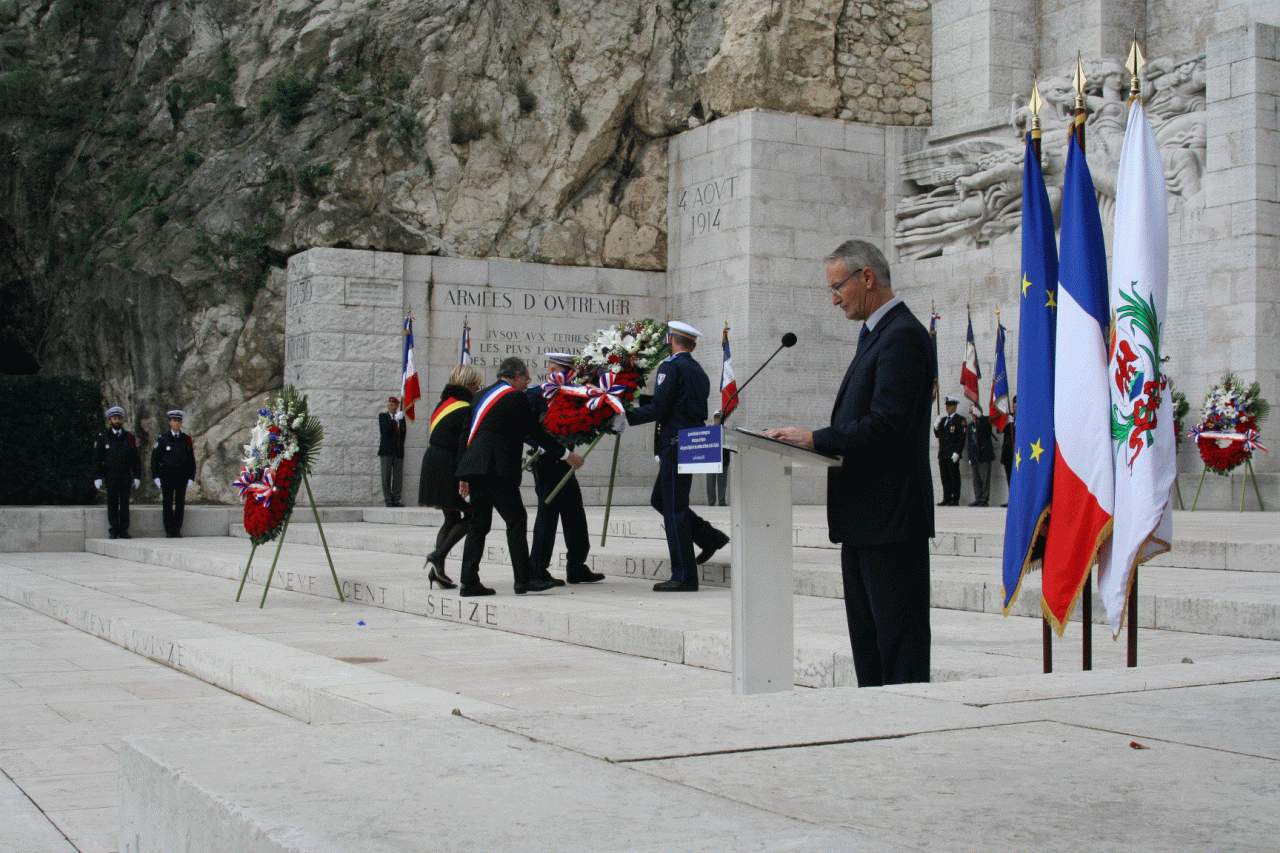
1227 433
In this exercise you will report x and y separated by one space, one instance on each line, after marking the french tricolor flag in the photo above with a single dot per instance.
410 391
1083 475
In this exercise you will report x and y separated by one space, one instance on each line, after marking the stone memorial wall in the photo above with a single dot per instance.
344 348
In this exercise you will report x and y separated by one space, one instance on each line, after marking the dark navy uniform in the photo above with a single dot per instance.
679 402
118 466
950 430
548 471
173 463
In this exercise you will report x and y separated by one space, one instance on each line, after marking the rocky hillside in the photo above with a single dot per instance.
160 161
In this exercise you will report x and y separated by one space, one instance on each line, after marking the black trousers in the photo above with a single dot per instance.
173 494
950 474
457 524
886 602
118 505
566 509
684 527
502 494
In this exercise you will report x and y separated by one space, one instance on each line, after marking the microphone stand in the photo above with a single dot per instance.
724 416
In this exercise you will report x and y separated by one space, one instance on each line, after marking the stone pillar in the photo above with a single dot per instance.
343 349
1242 210
1094 28
757 200
983 54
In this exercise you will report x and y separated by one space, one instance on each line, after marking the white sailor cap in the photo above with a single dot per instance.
952 401
678 328
563 359
177 413
114 410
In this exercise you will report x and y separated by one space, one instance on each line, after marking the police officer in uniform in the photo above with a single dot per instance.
173 468
119 471
950 430
548 471
679 402
981 453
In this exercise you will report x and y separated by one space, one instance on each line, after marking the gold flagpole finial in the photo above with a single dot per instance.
1036 103
1079 82
1134 63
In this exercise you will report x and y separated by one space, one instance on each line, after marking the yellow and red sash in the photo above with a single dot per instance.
447 406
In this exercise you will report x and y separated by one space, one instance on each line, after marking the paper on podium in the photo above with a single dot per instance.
801 455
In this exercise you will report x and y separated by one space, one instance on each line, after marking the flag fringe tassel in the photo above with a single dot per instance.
1061 627
1029 564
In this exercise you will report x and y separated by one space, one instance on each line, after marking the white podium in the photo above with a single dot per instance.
760 513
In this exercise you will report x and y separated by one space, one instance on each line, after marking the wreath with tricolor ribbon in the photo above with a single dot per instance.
281 448
1227 433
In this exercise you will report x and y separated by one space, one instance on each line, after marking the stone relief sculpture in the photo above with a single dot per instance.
971 190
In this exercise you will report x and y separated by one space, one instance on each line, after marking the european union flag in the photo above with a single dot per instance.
1031 489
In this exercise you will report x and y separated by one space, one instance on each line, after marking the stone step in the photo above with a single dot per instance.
1169 599
1239 604
1202 540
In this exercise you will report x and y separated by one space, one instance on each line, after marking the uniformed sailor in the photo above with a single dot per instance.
173 469
680 390
119 471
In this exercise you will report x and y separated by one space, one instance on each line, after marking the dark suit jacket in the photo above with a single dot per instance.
495 449
883 491
391 436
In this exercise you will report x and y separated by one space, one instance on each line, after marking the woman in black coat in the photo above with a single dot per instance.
438 483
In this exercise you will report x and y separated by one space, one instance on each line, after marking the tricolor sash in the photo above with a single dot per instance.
493 395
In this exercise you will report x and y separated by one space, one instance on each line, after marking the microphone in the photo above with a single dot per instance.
788 340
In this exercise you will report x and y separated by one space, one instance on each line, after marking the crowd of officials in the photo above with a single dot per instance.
975 439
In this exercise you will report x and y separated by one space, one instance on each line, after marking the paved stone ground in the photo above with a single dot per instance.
651 754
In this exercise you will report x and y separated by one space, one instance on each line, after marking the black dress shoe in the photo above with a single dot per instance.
474 589
124 536
583 575
546 576
944 503
535 585
721 539
675 586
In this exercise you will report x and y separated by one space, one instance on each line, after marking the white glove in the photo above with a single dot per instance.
190 483
136 483
157 482
399 416
619 422
938 423
97 484
955 457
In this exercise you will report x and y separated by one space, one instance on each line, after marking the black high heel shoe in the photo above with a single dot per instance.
437 576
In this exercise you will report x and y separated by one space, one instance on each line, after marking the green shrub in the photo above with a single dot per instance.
54 439
311 174
577 121
289 97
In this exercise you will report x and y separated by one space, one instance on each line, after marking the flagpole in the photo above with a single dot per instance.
1046 630
1134 64
1086 595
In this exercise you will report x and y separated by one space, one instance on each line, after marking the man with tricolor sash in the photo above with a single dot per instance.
502 420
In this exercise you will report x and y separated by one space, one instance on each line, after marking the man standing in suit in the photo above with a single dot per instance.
981 451
880 499
679 402
566 508
173 469
391 435
501 419
950 433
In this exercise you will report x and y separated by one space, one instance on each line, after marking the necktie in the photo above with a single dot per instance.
863 335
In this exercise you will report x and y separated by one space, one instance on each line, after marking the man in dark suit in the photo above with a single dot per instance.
501 419
548 471
679 402
880 499
950 430
391 435
981 450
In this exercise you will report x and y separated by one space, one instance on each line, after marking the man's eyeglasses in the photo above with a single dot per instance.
835 288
